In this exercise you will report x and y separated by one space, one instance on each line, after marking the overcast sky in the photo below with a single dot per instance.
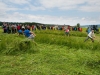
68 12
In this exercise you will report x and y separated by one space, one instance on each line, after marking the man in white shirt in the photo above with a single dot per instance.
91 36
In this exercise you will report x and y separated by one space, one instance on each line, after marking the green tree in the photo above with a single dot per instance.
1 23
78 25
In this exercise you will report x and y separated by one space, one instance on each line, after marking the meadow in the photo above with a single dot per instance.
51 53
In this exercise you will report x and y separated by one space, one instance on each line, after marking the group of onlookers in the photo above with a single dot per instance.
27 30
14 28
20 29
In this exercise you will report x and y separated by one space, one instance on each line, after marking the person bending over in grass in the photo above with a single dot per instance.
20 32
67 32
29 34
90 36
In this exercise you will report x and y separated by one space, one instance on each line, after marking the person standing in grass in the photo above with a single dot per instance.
18 27
67 31
90 36
20 32
88 30
29 34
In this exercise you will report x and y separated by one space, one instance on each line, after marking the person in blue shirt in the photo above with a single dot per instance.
29 34
88 30
20 32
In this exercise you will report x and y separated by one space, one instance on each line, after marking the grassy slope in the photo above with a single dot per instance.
51 60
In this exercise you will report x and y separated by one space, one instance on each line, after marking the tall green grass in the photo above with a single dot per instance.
14 44
11 43
76 40
57 54
61 32
52 60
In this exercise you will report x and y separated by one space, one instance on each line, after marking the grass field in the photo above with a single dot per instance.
51 53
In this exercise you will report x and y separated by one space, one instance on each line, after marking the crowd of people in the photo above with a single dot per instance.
14 28
27 30
20 29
